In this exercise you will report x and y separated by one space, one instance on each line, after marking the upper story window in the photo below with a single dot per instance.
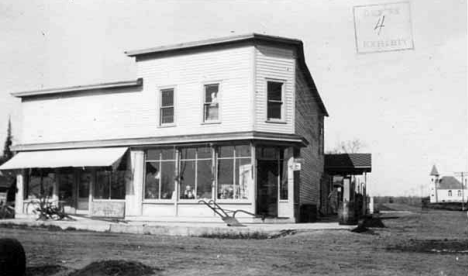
211 103
275 110
449 192
166 112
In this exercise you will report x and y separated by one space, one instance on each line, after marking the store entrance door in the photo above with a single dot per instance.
84 183
267 188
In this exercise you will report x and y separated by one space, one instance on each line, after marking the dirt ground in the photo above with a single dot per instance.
423 242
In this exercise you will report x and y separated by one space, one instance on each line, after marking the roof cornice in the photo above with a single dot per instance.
212 42
167 140
80 88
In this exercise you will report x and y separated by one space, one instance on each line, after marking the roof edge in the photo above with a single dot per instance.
79 88
211 42
164 140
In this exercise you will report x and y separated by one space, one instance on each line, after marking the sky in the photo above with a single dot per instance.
409 108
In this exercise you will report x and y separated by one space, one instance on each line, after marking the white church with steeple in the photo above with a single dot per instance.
445 189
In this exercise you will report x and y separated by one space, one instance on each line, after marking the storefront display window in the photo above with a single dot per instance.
109 184
234 172
160 174
66 184
195 174
40 183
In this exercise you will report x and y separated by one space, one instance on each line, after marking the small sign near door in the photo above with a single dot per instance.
297 166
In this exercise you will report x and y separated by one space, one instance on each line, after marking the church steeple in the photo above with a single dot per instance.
434 184
434 171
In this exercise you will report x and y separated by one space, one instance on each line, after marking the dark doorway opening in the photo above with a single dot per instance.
267 188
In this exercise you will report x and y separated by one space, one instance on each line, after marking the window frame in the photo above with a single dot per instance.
160 161
110 174
180 183
161 107
236 159
205 103
283 101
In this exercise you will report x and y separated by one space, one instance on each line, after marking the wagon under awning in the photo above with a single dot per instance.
95 157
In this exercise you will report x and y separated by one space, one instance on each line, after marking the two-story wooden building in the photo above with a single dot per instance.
226 119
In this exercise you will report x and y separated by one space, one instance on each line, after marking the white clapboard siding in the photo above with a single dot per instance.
134 112
274 63
232 68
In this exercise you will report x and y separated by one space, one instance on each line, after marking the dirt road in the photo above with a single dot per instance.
418 243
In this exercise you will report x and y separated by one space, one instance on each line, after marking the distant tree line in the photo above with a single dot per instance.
408 200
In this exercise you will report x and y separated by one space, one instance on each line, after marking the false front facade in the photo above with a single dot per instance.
234 120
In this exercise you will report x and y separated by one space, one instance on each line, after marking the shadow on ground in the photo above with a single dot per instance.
101 268
433 246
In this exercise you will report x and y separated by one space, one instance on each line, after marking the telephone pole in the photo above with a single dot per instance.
462 175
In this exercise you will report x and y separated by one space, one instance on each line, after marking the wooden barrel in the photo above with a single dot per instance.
12 258
347 213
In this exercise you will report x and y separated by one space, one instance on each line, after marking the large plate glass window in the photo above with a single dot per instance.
110 183
211 103
160 173
234 172
196 173
40 183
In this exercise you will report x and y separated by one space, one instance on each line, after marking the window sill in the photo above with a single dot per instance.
276 122
107 200
234 201
192 201
211 122
167 125
158 201
218 201
283 201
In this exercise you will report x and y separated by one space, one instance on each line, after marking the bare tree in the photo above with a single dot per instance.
351 146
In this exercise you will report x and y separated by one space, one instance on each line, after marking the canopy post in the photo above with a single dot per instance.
19 198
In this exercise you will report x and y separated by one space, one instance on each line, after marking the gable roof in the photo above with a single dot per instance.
449 182
434 171
348 163
252 37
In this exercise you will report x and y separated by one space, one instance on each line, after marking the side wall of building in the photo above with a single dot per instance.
451 195
309 124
